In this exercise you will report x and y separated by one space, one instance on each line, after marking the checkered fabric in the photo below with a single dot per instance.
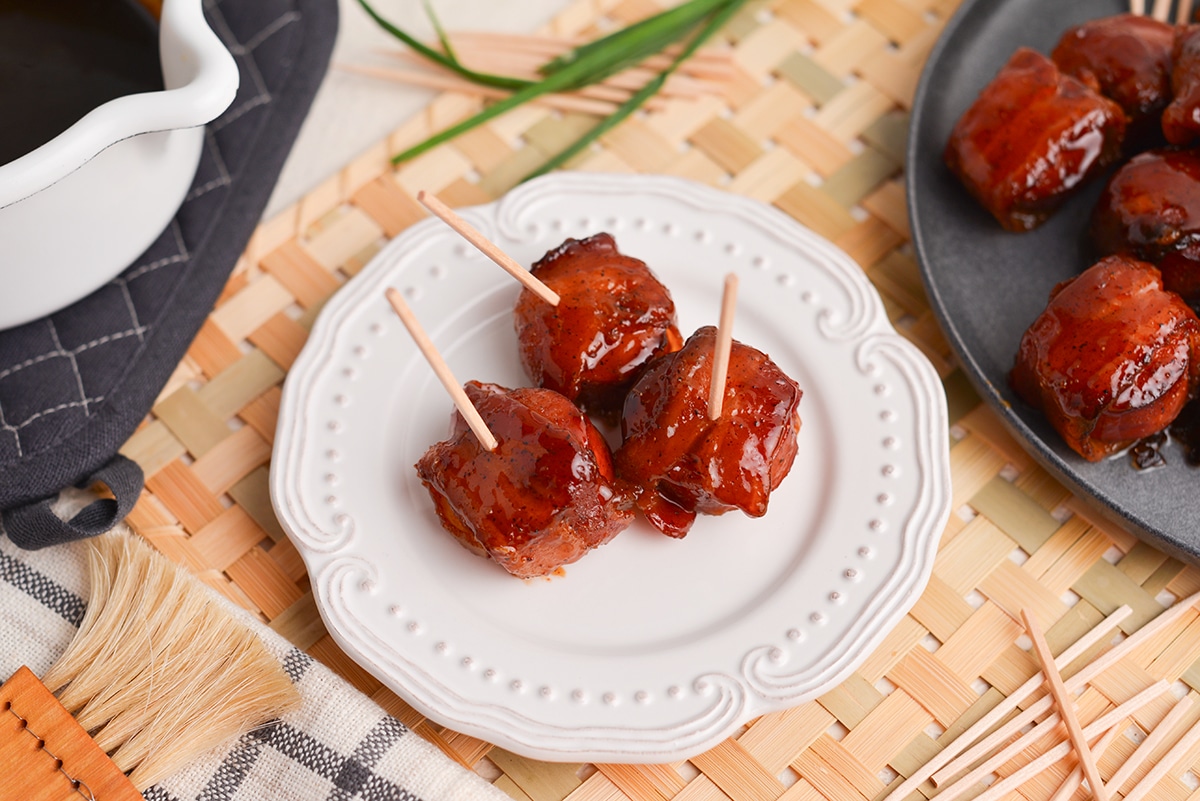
75 384
339 746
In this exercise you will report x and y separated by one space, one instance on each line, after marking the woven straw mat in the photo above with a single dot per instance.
815 124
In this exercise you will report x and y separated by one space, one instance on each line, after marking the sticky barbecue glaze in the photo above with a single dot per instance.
1150 209
614 316
543 498
1110 360
1181 119
1126 58
684 464
1031 138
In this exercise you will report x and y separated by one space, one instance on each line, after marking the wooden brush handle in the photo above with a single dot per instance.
45 755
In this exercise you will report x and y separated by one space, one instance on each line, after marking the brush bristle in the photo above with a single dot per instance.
159 671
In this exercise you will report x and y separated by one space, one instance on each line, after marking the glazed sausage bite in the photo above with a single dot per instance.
1126 58
1032 137
1110 360
614 316
682 463
1181 119
1150 209
543 498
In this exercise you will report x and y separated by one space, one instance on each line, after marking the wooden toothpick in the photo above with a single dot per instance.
1066 706
724 344
968 747
1165 764
1163 730
1094 730
963 745
442 370
486 247
1075 778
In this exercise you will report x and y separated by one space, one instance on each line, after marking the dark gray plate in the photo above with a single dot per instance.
987 285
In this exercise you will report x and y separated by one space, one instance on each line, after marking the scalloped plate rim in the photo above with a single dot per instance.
628 743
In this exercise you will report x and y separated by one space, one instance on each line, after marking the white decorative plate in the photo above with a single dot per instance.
649 649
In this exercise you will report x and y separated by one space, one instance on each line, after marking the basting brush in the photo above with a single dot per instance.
158 673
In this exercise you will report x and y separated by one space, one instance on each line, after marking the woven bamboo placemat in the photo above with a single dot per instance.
815 123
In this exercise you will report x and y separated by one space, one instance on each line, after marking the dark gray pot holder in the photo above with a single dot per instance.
75 385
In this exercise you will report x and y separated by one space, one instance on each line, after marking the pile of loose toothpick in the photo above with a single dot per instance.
977 754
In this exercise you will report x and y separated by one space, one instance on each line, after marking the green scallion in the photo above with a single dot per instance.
694 21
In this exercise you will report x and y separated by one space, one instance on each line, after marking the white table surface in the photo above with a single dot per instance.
351 112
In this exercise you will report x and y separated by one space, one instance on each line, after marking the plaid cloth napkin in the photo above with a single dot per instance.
339 746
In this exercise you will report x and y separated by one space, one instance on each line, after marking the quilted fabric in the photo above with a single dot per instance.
74 385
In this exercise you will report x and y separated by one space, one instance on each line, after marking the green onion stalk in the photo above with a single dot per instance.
694 22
